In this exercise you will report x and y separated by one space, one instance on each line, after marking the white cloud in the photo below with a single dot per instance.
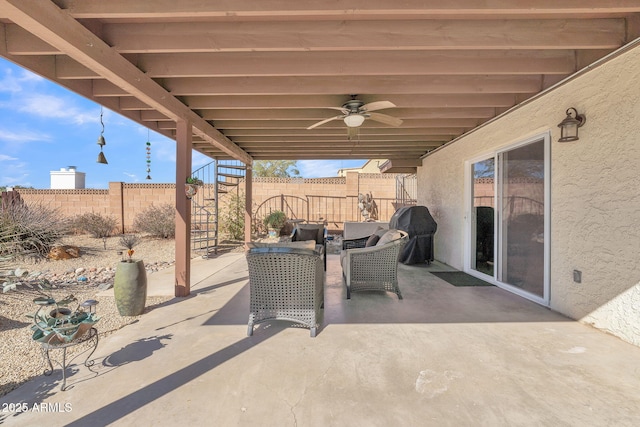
132 176
51 106
23 136
15 174
5 158
13 83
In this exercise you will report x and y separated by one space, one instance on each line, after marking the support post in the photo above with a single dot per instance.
183 209
248 202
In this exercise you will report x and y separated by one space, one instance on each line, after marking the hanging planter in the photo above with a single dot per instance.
191 186
190 190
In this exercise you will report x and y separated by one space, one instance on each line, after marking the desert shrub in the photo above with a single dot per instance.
159 221
29 231
97 225
232 216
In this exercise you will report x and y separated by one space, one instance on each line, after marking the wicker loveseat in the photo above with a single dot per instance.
285 284
374 267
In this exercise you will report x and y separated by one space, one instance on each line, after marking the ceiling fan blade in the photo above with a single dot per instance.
377 105
387 120
321 122
344 110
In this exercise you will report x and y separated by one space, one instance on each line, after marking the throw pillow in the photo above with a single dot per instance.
372 240
307 234
389 236
380 231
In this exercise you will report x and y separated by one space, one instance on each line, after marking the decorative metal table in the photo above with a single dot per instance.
61 329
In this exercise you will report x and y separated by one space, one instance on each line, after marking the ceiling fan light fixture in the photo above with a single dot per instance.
354 120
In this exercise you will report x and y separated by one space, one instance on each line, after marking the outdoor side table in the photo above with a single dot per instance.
85 333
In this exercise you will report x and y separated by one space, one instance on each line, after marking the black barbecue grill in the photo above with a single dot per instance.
420 225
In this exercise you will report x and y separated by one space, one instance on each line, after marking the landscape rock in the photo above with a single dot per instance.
20 272
64 252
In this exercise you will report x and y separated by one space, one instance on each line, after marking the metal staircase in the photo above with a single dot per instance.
219 177
406 191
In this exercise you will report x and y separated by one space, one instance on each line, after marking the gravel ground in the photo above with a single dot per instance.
20 357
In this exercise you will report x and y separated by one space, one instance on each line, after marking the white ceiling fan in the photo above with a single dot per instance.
354 113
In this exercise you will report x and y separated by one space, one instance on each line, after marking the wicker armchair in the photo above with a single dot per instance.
373 268
285 284
317 232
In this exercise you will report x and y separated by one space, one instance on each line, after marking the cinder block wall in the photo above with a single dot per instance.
124 201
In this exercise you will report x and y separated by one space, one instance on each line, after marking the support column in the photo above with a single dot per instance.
248 202
183 209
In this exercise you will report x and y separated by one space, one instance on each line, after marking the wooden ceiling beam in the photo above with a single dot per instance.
365 139
350 9
132 103
302 125
321 114
321 132
21 42
167 37
228 102
367 63
353 84
346 154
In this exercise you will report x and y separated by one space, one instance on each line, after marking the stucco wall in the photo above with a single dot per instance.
595 192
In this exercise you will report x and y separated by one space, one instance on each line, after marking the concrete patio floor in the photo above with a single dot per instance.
443 356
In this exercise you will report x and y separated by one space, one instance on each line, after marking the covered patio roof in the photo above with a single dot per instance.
252 76
246 80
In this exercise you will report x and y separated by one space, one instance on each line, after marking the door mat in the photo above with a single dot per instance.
459 278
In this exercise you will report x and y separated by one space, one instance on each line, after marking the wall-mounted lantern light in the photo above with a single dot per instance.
569 126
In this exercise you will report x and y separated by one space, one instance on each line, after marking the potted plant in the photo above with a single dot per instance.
191 186
130 282
274 222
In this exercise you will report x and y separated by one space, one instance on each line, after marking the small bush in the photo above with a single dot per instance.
275 220
159 221
29 231
97 225
232 217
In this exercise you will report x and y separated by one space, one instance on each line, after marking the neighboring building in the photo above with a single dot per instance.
67 179
371 166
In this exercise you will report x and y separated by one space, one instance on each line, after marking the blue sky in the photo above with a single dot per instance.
44 127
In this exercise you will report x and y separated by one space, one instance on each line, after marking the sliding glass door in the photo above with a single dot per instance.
508 231
483 216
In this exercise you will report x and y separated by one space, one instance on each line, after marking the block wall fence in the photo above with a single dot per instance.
126 200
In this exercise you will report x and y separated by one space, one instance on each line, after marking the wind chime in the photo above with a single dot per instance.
101 142
148 156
